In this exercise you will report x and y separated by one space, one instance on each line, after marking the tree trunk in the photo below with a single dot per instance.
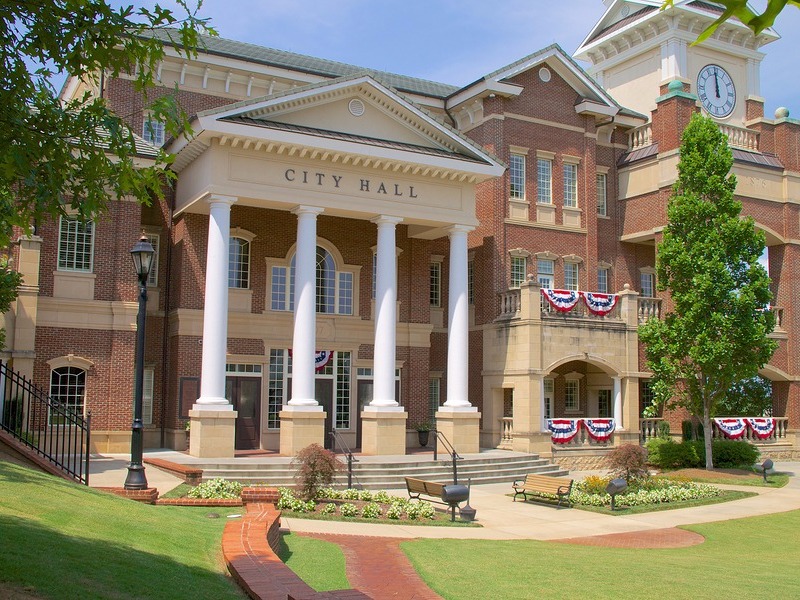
707 432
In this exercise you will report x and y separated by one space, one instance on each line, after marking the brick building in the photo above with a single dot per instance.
362 251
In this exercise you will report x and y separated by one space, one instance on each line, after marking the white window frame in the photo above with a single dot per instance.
572 396
435 283
570 172
545 272
155 241
434 396
609 398
72 371
647 279
238 271
153 130
544 180
75 237
571 276
516 176
602 194
602 280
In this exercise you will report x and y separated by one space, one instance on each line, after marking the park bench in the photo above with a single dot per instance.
434 491
538 485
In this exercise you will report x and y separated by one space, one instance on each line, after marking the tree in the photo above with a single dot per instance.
740 10
76 156
715 335
748 398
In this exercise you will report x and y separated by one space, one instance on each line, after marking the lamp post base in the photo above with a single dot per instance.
136 479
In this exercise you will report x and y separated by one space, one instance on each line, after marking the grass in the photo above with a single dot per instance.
319 563
745 477
65 541
622 510
180 491
750 558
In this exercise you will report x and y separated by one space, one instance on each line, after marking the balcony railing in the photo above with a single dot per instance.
510 303
506 431
740 137
778 433
649 308
640 137
649 429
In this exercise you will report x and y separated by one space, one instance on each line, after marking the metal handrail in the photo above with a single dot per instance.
53 431
338 440
450 450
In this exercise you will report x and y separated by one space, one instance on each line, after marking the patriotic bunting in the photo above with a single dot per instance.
599 430
321 358
762 427
599 304
733 428
563 431
561 300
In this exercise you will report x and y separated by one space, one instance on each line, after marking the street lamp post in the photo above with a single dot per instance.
142 254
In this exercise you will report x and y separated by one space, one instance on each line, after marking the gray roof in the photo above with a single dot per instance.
304 64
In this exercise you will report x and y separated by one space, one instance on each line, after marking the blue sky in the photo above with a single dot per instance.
455 41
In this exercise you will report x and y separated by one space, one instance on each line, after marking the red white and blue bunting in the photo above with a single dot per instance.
599 304
599 430
561 300
321 358
563 431
762 427
733 428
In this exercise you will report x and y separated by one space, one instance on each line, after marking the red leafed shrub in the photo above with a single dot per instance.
316 468
629 461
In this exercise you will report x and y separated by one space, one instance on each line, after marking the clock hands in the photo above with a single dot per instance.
716 82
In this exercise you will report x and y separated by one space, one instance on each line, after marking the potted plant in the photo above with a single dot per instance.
423 432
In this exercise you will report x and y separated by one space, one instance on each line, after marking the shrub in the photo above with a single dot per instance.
371 511
285 499
394 512
733 453
653 446
383 497
365 495
329 509
663 430
629 461
594 484
303 506
350 494
348 510
217 488
678 456
316 467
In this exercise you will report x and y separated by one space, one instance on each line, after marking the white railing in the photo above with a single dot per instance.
779 433
649 429
649 308
506 430
778 312
640 137
740 137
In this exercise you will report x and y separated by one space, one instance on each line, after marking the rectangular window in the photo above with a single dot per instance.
549 387
434 397
342 390
147 396
278 301
544 181
516 171
571 185
75 245
602 194
545 269
436 284
345 293
646 396
647 284
571 276
152 278
604 408
239 263
602 281
572 401
276 388
153 131
517 271
471 282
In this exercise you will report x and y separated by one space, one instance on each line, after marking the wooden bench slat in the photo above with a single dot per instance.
543 484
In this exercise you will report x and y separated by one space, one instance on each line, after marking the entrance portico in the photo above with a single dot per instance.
410 177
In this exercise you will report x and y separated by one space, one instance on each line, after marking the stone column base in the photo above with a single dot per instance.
212 433
533 443
301 428
383 432
462 430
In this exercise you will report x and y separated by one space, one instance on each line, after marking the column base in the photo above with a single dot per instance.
213 433
461 427
533 443
383 432
301 428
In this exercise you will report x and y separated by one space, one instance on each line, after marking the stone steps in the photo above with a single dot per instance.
373 474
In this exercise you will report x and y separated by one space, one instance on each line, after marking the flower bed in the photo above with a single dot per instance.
362 504
652 490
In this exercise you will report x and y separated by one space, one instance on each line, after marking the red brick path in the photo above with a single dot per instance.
656 538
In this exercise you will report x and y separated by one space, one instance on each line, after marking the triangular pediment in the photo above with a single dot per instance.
356 114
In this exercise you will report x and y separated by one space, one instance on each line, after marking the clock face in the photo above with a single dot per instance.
716 91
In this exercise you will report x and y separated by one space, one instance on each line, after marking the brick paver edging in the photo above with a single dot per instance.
248 547
671 537
199 502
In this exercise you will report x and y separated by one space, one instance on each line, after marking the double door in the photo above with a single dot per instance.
244 393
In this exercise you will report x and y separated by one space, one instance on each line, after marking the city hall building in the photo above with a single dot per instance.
352 251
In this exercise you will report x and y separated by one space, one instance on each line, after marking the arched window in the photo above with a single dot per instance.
334 287
239 263
68 387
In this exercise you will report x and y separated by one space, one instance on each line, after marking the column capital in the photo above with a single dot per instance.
304 209
456 229
386 220
221 199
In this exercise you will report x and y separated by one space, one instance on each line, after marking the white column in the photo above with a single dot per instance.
617 391
215 308
385 314
304 340
458 324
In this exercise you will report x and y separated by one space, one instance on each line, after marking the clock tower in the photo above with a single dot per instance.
636 49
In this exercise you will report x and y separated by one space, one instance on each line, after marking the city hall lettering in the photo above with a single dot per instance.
362 185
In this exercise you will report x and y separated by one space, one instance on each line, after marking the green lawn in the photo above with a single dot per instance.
60 540
317 562
746 558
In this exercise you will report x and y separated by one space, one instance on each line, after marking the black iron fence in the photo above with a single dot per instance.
55 431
